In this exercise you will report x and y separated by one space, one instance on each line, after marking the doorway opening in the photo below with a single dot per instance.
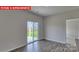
72 31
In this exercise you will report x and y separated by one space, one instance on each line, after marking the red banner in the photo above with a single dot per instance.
15 7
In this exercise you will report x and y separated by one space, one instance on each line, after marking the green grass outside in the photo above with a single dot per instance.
30 34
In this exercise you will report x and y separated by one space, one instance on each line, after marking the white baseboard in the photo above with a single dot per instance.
57 41
15 48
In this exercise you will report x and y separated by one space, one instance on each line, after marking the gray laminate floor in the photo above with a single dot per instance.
46 46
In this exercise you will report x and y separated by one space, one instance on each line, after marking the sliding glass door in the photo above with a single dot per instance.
32 31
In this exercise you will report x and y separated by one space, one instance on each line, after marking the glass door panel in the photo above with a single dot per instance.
35 30
29 32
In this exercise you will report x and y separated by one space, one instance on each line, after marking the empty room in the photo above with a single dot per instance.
41 29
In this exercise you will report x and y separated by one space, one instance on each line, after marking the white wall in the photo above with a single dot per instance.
55 26
55 29
12 28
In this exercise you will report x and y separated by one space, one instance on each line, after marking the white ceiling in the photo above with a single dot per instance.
52 10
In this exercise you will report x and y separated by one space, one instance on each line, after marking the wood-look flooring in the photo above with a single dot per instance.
46 46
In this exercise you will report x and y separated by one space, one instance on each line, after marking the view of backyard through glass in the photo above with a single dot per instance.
32 31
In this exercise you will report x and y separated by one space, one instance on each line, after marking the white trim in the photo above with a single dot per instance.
14 48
